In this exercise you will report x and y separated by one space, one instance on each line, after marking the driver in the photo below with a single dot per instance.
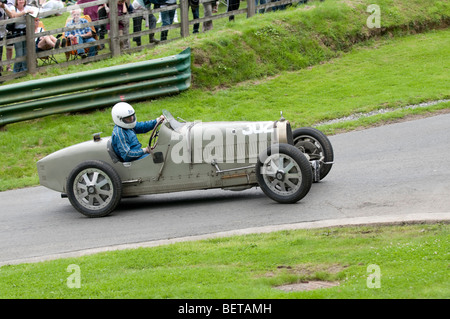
124 140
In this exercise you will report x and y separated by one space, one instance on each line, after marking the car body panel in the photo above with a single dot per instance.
195 155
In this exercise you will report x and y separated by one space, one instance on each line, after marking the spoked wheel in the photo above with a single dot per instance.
316 146
94 188
283 173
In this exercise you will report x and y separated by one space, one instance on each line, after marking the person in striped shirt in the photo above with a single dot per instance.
80 34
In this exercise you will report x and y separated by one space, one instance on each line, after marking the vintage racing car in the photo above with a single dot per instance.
192 156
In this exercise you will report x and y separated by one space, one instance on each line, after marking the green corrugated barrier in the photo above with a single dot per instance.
98 88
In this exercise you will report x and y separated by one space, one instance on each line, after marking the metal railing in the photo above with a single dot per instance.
97 88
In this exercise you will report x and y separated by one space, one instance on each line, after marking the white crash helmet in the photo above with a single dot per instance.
123 115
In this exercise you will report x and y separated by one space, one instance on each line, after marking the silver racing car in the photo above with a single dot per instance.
192 156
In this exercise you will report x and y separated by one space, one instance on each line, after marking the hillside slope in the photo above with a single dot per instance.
305 35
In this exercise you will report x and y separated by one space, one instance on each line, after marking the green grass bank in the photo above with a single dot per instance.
304 36
411 262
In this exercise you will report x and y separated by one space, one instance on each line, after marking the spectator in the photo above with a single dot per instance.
232 5
194 4
9 47
3 16
175 17
167 18
80 34
260 2
19 10
33 3
46 5
282 7
93 13
142 5
102 12
46 42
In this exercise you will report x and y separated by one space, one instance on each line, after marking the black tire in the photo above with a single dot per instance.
94 188
316 146
283 173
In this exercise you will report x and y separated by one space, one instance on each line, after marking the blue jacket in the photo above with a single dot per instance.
125 142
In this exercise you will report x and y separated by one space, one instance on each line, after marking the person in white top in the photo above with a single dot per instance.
3 16
19 10
45 42
46 5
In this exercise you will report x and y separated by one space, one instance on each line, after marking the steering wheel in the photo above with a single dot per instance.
153 141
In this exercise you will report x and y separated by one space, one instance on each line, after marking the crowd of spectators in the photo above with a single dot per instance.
80 34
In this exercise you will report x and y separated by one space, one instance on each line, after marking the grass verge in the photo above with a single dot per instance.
412 262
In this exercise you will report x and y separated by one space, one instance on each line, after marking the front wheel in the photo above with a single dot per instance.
94 188
283 173
316 146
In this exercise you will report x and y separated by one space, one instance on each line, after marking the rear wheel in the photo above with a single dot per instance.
94 188
283 173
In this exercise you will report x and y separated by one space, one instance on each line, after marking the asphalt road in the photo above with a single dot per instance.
394 170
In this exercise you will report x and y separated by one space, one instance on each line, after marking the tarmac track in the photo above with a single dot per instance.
396 173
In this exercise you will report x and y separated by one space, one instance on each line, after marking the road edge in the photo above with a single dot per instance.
405 219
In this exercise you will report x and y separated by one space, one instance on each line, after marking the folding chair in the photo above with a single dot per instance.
50 59
47 60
